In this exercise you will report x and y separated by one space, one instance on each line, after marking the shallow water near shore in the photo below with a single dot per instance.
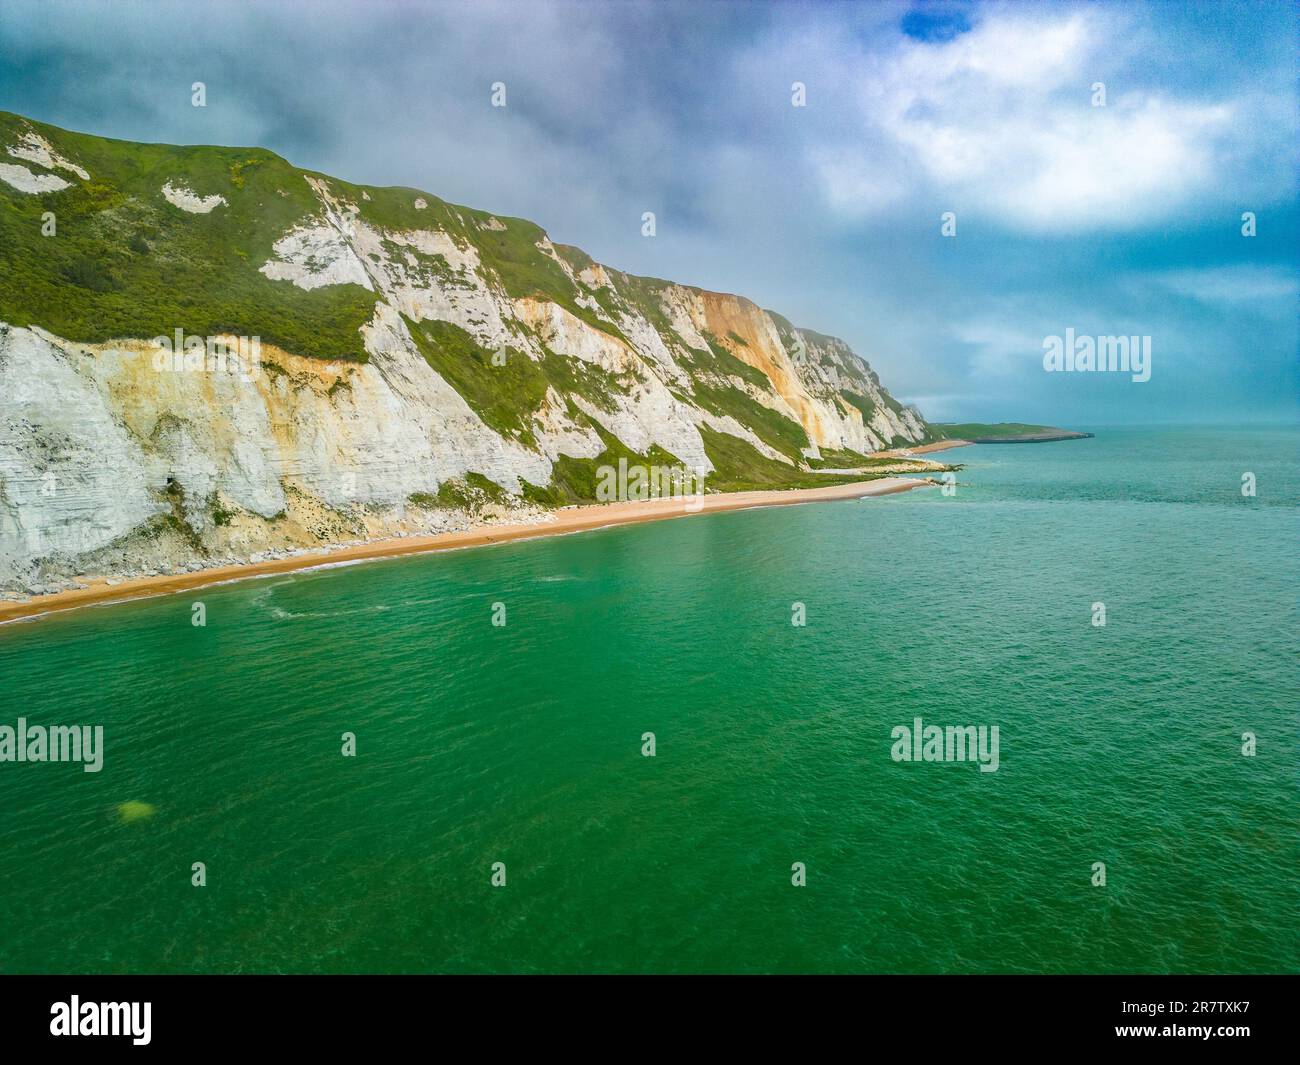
522 744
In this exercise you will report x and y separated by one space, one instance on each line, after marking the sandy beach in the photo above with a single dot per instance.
568 520
925 449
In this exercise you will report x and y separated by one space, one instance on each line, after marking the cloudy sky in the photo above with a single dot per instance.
1117 219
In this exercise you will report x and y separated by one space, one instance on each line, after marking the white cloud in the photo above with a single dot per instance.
999 121
855 183
1241 284
998 345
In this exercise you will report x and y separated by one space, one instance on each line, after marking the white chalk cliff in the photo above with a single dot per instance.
116 459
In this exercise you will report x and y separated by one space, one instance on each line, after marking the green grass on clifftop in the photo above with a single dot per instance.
996 430
123 262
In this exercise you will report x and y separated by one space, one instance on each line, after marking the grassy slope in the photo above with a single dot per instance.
506 392
125 263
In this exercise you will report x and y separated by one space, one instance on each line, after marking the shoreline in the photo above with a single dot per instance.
926 449
585 518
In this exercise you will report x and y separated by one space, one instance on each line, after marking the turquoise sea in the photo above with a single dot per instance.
522 744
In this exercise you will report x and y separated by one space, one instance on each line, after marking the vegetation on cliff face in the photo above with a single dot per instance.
575 480
506 387
505 393
741 468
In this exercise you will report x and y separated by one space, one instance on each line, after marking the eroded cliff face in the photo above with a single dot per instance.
419 366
